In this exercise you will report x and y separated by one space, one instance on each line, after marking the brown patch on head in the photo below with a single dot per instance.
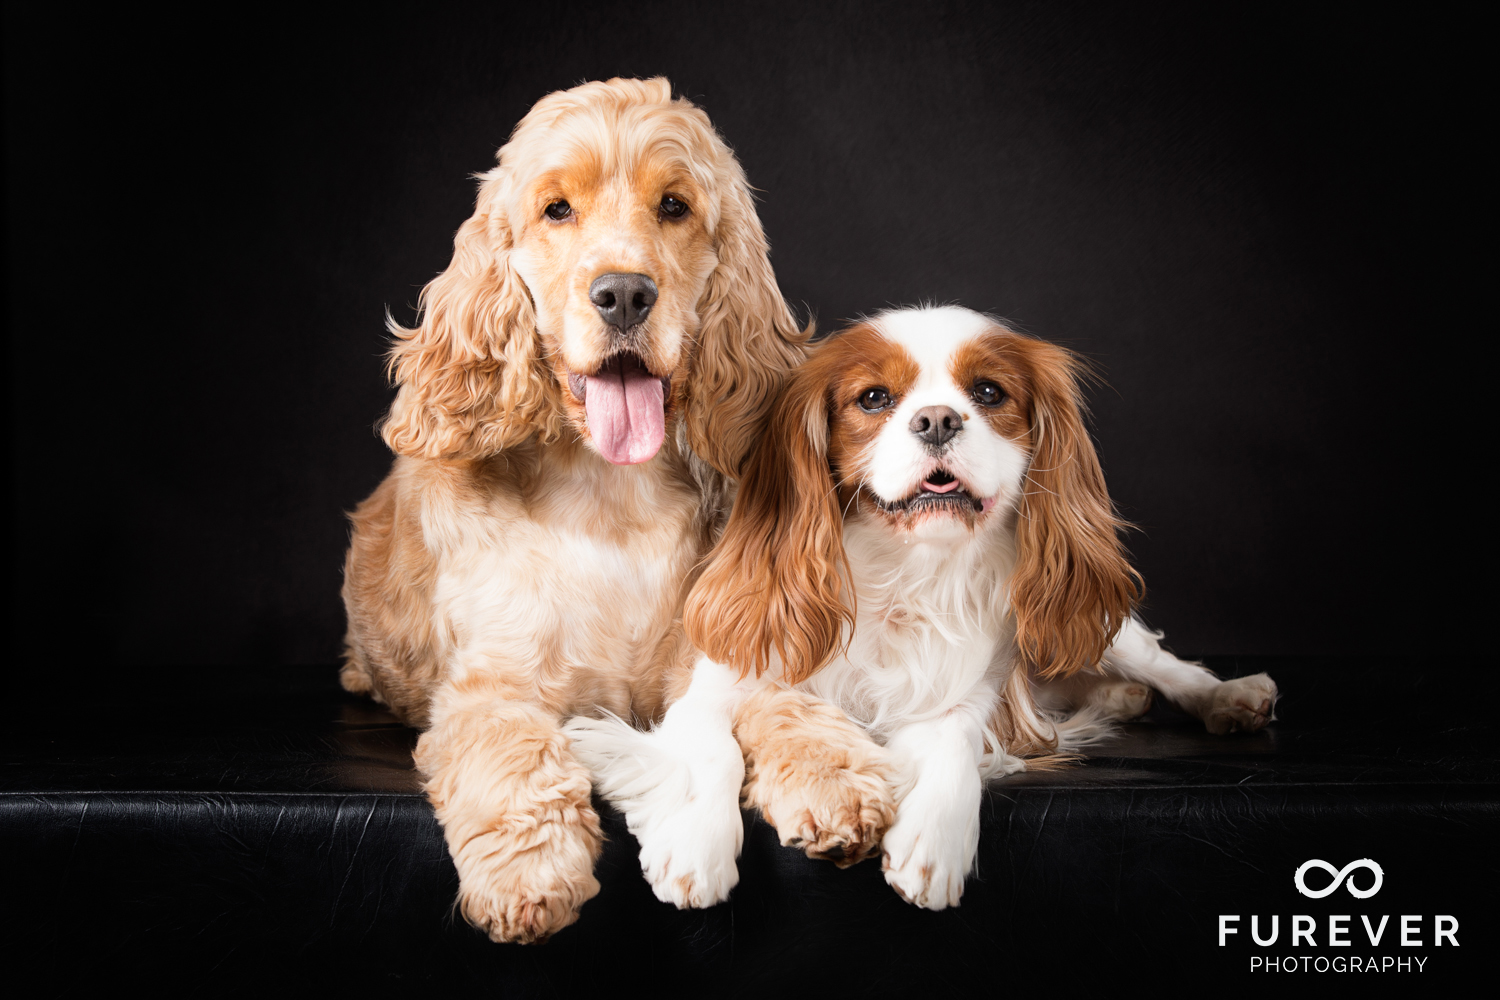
855 362
998 358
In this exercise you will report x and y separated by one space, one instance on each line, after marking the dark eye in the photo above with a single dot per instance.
872 400
559 210
672 208
988 394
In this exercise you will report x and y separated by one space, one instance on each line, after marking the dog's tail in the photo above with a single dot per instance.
1084 727
1024 735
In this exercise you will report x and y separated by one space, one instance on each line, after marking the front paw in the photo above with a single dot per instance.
837 813
679 792
688 855
1242 705
925 870
525 884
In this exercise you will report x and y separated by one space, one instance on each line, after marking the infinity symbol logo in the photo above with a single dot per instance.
1338 878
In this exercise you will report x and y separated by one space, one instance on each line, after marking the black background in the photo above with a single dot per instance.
1256 219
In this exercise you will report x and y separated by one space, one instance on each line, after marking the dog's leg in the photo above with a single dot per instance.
1244 704
678 787
515 809
816 777
931 847
1111 698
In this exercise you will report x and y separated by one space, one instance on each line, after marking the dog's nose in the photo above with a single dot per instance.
623 300
936 425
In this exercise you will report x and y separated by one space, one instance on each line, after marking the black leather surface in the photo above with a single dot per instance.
262 829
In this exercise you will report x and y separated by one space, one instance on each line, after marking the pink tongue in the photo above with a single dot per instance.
952 484
625 414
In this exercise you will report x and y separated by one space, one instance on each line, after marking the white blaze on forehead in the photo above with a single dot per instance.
933 335
988 464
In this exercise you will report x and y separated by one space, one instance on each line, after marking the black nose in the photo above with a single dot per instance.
936 425
623 300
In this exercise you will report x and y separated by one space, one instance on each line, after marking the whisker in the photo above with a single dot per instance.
854 499
841 482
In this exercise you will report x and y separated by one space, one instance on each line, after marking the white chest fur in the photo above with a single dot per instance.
932 625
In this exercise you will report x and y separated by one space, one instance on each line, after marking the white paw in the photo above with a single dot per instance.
1242 705
1121 700
680 794
927 865
688 853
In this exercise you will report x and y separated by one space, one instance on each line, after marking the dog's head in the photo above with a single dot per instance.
932 427
613 278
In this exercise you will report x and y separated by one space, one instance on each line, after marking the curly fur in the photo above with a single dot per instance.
506 574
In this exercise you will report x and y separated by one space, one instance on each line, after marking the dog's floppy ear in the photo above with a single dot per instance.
1073 587
748 339
776 578
471 376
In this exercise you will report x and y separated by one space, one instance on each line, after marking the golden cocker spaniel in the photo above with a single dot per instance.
584 382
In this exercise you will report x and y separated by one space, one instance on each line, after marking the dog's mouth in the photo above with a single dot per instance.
940 491
626 407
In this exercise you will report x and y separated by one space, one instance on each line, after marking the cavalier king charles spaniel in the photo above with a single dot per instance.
922 538
582 386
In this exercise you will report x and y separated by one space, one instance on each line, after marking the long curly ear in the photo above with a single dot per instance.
471 372
748 339
776 578
1073 587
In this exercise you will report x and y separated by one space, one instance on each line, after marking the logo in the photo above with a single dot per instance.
1338 878
1388 936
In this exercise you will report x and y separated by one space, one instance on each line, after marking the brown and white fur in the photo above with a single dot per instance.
565 462
923 539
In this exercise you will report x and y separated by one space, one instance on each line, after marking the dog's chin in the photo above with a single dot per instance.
938 507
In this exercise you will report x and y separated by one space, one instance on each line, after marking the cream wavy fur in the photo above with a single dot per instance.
505 575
